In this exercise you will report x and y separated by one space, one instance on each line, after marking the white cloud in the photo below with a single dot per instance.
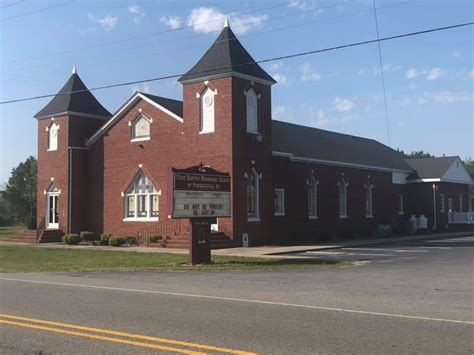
469 75
429 74
342 104
108 22
445 97
436 73
208 19
387 68
278 112
308 73
456 54
145 88
280 78
172 22
137 12
412 73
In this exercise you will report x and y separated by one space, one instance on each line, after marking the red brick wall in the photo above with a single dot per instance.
292 177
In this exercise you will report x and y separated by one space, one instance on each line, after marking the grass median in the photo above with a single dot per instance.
42 259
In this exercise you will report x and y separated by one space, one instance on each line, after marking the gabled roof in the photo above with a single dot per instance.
169 106
67 102
430 168
226 56
326 147
175 106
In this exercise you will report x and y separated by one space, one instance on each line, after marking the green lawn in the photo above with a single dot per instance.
10 231
41 259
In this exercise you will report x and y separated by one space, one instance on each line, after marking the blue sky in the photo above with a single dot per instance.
429 78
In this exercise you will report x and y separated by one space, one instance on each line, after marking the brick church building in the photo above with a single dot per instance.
106 172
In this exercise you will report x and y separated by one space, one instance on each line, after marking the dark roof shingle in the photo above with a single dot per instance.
79 102
225 56
175 106
426 168
314 143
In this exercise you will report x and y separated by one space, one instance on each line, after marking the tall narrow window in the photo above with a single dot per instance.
53 131
470 204
441 202
312 196
141 129
342 197
400 203
141 200
279 202
369 199
450 205
252 117
207 112
460 203
252 195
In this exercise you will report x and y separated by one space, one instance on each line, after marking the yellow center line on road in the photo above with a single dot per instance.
100 337
123 334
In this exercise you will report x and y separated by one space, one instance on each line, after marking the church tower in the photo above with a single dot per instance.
63 125
227 125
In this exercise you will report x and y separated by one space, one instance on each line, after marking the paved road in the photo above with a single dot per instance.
403 298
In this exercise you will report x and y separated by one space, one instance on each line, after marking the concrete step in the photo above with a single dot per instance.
51 236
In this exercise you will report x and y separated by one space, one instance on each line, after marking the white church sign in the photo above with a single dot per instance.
200 191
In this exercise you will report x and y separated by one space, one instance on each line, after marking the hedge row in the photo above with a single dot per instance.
105 239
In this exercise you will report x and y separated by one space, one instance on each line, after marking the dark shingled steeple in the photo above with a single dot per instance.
226 56
82 102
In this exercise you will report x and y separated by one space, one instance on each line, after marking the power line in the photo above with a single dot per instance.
289 56
12 4
35 11
382 74
152 34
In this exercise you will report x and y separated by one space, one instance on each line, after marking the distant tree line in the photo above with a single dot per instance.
18 200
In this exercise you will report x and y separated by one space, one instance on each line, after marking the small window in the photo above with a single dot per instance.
141 129
369 199
450 205
53 131
400 204
312 196
141 200
342 197
460 203
441 201
470 204
252 116
279 202
206 124
252 195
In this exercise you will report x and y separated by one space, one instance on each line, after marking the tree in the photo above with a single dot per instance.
469 164
418 154
20 192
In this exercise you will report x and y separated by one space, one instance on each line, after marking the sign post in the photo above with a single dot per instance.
201 194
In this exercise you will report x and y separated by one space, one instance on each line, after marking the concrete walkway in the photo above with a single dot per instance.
256 252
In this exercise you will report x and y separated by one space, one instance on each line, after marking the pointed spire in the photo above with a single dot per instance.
74 70
226 23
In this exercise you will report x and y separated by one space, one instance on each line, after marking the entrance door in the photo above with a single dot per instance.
52 212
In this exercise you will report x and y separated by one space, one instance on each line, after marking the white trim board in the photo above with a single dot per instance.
223 75
102 130
335 163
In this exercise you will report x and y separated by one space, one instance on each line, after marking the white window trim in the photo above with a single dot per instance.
132 127
213 104
255 218
49 136
251 131
343 179
148 196
316 183
283 195
442 208
461 203
368 188
450 205
401 206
